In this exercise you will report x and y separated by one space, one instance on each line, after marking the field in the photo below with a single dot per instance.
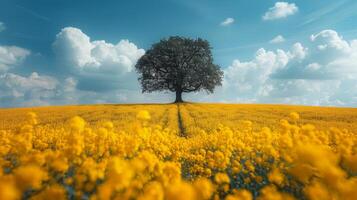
178 151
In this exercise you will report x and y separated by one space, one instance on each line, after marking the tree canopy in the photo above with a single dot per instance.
179 64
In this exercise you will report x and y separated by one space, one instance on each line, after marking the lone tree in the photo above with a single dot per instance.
179 64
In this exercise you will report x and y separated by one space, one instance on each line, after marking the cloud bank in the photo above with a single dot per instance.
27 91
324 72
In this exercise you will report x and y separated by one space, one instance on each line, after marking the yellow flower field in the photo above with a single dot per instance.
178 151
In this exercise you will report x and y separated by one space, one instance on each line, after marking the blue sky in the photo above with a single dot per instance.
295 52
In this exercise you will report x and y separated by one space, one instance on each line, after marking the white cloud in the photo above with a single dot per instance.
298 51
2 26
313 66
91 57
17 90
246 77
316 75
11 55
280 10
329 39
97 65
228 21
277 39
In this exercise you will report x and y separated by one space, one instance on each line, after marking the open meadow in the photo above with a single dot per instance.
178 151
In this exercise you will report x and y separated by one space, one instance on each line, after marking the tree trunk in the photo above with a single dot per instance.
178 96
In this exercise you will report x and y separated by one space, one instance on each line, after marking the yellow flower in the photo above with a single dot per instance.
271 193
77 124
180 191
104 191
275 176
221 178
204 188
146 157
317 191
302 172
350 161
294 116
143 115
171 172
108 125
119 173
52 192
8 190
152 191
31 118
29 177
240 195
60 165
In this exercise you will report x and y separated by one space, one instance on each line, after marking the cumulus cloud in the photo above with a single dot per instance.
228 21
101 72
277 39
11 55
245 77
280 10
77 50
314 74
97 65
2 26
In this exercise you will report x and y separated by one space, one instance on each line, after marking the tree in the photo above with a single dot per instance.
179 64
